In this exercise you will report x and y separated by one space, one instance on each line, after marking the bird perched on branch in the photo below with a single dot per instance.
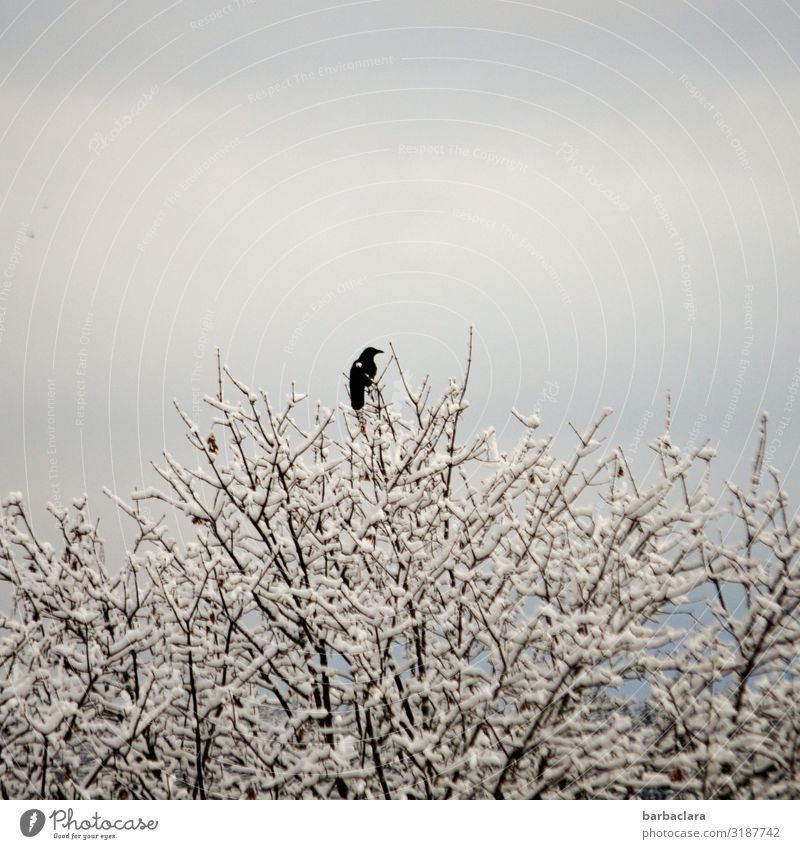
362 374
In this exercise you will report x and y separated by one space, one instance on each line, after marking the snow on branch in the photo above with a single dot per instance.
406 612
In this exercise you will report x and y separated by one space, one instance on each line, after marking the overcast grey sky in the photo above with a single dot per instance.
607 191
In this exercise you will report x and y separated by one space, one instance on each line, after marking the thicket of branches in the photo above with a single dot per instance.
397 610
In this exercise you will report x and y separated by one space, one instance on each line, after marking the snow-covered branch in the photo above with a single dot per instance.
407 612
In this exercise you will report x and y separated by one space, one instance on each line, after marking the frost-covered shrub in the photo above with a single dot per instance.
397 611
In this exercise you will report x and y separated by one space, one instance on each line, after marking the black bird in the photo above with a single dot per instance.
362 373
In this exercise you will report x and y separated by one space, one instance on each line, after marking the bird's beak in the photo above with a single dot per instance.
378 351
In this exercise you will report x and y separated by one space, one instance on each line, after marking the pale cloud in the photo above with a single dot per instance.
226 183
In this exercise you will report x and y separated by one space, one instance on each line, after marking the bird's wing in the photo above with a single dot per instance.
357 381
357 395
